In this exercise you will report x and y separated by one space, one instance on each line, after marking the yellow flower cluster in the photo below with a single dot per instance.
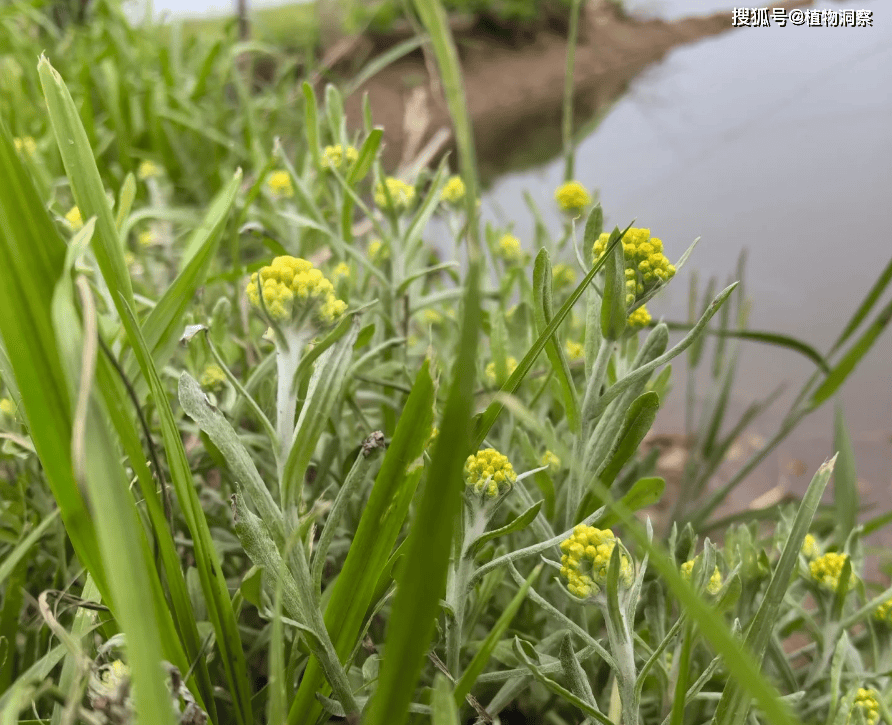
575 350
342 270
715 581
572 196
377 251
550 460
292 288
401 193
509 248
490 372
639 319
212 378
866 701
74 218
279 184
586 558
7 407
646 265
563 275
809 547
827 569
337 157
882 613
489 473
26 144
147 169
454 190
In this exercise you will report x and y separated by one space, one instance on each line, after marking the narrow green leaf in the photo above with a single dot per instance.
845 478
366 158
86 184
847 364
311 121
207 562
613 304
576 677
865 307
470 675
544 311
639 418
734 704
125 201
444 711
380 524
422 576
517 524
645 492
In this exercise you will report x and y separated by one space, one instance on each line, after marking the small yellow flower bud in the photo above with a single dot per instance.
715 581
586 558
377 252
147 238
293 289
490 372
454 190
509 249
575 350
572 196
341 271
550 460
827 569
74 218
866 700
279 184
563 275
8 407
809 547
337 157
26 144
401 193
212 378
639 319
489 473
147 169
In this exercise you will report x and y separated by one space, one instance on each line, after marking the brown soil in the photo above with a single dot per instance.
515 92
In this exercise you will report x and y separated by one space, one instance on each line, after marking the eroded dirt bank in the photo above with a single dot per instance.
515 92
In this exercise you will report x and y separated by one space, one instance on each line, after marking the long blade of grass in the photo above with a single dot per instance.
734 704
544 311
853 356
865 307
86 184
422 576
845 478
382 519
207 562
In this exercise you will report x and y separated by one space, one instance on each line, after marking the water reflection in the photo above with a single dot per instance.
775 140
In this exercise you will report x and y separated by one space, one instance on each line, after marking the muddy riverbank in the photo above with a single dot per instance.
515 90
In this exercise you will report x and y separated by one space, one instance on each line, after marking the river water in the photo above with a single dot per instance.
777 141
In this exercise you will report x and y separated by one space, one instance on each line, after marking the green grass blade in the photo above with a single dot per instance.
380 62
213 583
639 418
470 675
12 558
613 303
32 256
544 311
845 478
380 524
847 364
422 576
865 307
444 711
86 184
735 701
787 342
